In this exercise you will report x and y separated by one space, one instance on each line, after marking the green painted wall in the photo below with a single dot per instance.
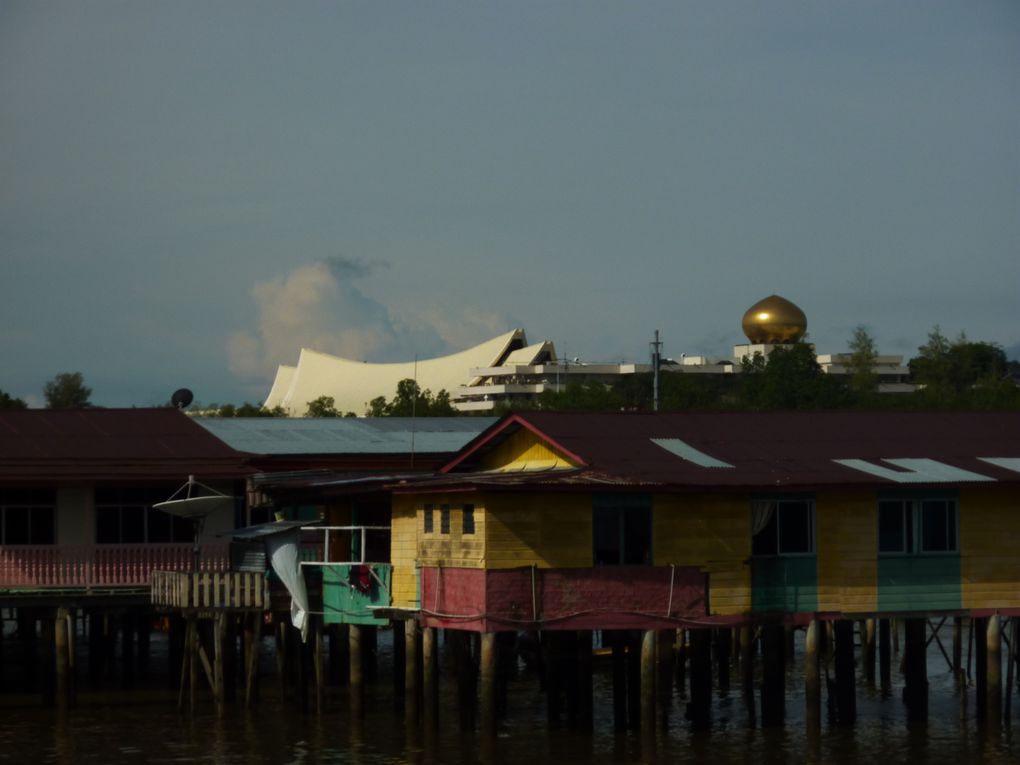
344 604
784 584
919 583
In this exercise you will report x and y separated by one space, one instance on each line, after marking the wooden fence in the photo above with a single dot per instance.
245 590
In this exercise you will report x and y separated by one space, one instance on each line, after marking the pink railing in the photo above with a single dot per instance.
71 566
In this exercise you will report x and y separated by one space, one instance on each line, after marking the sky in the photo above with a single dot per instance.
192 191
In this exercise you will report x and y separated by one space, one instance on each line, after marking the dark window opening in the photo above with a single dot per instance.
622 530
444 519
28 516
127 516
783 527
468 517
428 519
934 519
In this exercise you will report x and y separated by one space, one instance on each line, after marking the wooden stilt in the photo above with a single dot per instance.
281 656
219 633
317 664
993 668
63 661
915 690
1014 630
722 657
467 679
356 685
773 685
634 680
681 662
868 649
665 657
619 646
430 667
747 670
980 667
812 678
411 671
487 669
585 711
699 708
884 654
957 644
255 644
846 690
648 682
193 648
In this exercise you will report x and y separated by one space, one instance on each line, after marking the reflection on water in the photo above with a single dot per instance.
144 726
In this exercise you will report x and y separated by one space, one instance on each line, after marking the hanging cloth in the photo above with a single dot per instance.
284 551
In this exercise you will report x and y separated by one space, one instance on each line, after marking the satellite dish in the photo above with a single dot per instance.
181 398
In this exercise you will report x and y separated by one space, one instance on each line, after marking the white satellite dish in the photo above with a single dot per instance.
195 507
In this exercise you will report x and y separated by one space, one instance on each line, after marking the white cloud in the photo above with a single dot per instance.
318 306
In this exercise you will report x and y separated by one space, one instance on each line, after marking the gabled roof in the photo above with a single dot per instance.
761 450
47 446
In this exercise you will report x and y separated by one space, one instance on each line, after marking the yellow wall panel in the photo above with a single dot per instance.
403 553
846 538
990 548
546 530
713 533
523 450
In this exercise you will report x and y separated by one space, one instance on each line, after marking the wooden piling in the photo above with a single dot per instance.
993 668
723 649
648 681
356 684
63 659
193 648
430 667
585 709
467 678
773 685
681 663
1014 625
884 654
812 678
846 687
665 657
619 679
747 670
487 669
699 708
253 640
317 665
980 639
411 671
868 649
219 634
915 689
957 645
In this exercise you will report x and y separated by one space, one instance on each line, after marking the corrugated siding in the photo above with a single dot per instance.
455 548
547 530
404 552
990 548
521 450
846 540
713 533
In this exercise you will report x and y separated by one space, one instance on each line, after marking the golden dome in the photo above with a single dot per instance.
774 320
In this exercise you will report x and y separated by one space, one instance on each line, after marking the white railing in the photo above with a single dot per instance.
325 557
75 566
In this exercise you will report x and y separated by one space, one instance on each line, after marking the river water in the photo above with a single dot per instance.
144 725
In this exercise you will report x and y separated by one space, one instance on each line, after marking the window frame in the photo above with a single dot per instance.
31 501
444 519
619 506
428 522
776 521
124 501
467 511
912 521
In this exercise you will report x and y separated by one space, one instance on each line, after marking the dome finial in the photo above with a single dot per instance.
774 320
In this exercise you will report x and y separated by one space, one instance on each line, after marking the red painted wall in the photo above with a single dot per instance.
608 597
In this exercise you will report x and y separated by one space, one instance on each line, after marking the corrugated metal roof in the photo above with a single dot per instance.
775 449
345 435
110 444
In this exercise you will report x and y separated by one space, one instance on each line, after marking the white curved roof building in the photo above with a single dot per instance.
352 384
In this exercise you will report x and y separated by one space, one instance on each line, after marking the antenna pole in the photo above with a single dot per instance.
656 349
414 407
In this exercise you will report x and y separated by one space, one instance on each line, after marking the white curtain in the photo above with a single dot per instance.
761 514
284 556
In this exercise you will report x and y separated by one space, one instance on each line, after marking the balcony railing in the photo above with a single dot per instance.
90 566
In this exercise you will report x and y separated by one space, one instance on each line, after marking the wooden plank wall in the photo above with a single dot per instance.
713 533
455 548
552 530
990 548
846 540
404 552
523 450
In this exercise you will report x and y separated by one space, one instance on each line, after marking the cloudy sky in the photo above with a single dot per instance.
191 191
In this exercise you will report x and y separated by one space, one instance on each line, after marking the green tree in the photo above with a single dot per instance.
323 406
962 373
789 379
861 365
8 401
410 400
67 391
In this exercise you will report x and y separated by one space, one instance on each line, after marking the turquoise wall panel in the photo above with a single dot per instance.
919 583
347 599
787 585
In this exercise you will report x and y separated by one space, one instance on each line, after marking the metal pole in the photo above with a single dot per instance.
656 347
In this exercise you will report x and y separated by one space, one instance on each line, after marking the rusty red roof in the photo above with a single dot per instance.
42 445
761 450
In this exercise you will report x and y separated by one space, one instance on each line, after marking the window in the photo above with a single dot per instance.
911 526
126 516
468 518
428 519
783 527
27 517
444 519
622 529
